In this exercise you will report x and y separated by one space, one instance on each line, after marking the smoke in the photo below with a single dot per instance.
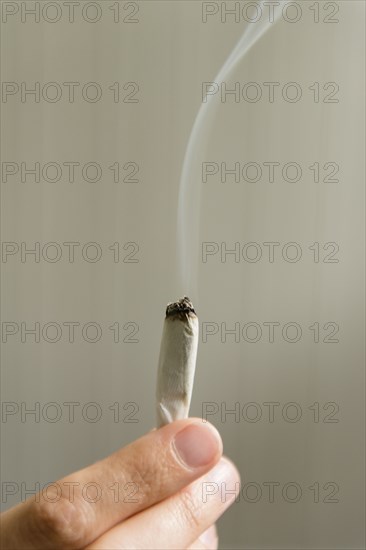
189 200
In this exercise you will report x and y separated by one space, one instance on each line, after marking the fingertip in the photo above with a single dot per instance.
209 538
194 443
232 468
197 445
222 483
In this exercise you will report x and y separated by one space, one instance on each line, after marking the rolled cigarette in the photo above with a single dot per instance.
177 362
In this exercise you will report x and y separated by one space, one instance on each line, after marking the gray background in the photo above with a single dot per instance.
169 51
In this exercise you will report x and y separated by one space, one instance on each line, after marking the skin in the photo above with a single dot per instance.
173 486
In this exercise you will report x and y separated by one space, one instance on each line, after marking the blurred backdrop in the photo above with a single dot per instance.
98 103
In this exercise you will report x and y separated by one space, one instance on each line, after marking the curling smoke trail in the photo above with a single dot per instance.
189 200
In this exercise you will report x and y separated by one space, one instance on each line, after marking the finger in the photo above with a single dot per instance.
82 506
207 541
179 520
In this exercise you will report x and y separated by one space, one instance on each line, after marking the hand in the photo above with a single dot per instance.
164 491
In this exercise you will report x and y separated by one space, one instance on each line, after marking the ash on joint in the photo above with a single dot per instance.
182 309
